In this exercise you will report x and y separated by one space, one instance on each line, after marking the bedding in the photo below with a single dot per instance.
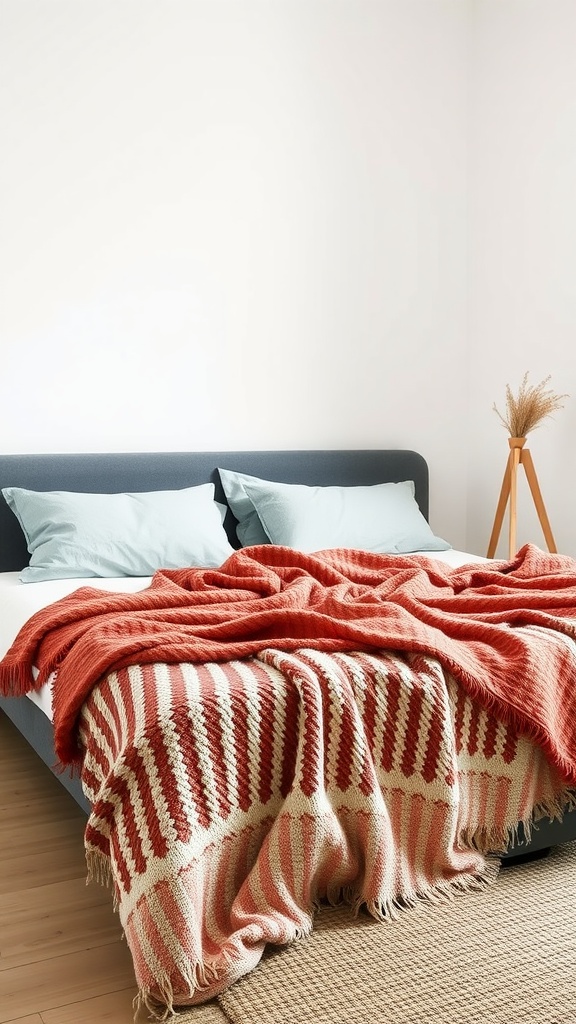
230 796
383 517
379 517
127 472
249 528
71 534
18 603
291 728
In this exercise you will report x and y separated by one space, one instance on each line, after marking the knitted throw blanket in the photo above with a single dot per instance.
231 799
292 728
474 620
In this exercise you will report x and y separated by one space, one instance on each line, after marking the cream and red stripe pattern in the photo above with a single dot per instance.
229 799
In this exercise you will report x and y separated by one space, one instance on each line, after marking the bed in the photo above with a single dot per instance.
213 965
151 471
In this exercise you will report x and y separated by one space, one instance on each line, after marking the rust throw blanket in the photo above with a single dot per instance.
293 728
493 626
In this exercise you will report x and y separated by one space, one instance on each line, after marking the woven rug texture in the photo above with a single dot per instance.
503 955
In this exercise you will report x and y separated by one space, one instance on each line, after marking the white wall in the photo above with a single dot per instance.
522 209
236 224
232 224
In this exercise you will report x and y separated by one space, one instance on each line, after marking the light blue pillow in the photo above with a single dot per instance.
71 534
379 517
249 529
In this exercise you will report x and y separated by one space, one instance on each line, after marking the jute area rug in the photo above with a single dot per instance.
505 954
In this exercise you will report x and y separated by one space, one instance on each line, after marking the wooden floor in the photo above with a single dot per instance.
62 958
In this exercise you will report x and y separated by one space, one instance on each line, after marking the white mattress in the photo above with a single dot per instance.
18 601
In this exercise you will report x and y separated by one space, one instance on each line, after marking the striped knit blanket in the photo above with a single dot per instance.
291 729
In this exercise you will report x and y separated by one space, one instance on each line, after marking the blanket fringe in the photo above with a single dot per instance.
16 678
438 893
555 809
160 1006
161 1002
100 871
498 841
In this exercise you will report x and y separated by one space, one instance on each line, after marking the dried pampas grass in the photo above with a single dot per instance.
532 404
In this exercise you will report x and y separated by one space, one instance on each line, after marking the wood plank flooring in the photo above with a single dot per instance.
62 957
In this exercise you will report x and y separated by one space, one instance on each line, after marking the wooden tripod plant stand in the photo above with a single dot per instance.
519 456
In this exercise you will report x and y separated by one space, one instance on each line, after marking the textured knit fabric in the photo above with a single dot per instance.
292 728
230 798
505 630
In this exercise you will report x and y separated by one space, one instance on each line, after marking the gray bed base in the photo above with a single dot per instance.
152 471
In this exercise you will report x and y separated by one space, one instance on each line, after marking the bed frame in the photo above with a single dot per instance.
109 473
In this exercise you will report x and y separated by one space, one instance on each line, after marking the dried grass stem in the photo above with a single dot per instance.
526 410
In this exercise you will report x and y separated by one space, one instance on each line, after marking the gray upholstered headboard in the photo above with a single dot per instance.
153 471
